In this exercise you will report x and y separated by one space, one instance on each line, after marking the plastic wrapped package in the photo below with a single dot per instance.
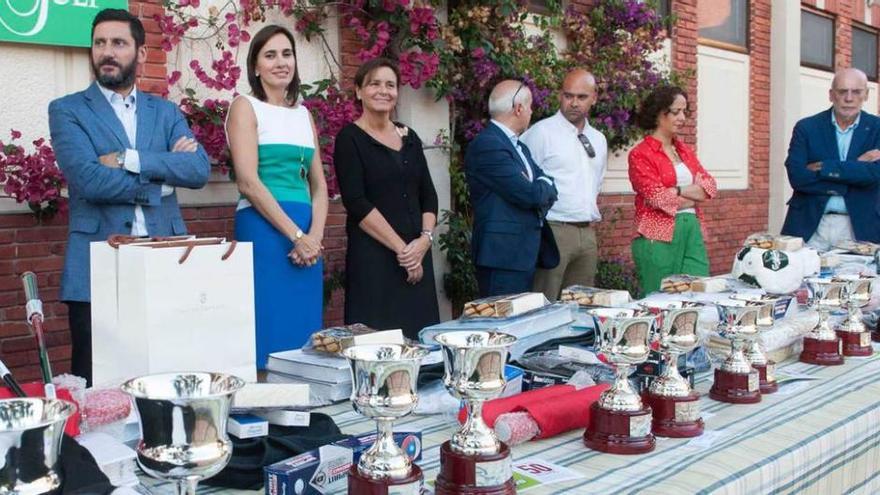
507 306
591 296
334 339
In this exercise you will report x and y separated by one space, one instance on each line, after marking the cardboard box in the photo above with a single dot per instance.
247 426
317 472
408 441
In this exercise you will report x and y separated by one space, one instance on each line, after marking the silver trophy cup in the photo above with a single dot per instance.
826 295
858 295
31 430
765 320
183 425
623 336
384 378
676 335
474 366
738 322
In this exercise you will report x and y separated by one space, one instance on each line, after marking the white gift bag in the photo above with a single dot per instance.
172 306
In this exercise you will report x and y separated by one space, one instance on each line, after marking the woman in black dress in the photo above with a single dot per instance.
392 211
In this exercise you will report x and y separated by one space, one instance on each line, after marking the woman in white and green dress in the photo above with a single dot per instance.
283 206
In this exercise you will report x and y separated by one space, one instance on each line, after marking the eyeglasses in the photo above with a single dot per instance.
513 100
588 147
857 93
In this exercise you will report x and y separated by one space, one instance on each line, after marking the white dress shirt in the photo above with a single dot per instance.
125 109
556 149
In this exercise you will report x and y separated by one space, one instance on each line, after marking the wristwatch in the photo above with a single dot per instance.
430 235
120 159
299 235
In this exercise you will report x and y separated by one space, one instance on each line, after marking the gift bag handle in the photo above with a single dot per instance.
174 241
117 240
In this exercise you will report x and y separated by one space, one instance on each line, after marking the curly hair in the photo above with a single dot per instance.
656 103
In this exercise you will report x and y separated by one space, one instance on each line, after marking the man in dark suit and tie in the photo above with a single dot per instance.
122 152
834 168
510 195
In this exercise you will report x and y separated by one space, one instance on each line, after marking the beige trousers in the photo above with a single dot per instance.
578 256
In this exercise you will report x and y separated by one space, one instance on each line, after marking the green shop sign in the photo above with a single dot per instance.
52 22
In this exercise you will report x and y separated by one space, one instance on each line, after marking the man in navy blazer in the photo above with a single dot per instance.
122 153
834 168
510 195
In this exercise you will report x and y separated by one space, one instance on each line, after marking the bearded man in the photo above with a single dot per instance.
122 152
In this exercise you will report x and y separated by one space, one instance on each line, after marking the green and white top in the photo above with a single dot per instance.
285 146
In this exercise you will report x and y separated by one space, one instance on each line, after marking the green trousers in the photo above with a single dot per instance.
686 254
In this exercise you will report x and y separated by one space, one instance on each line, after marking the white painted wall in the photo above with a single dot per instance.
723 123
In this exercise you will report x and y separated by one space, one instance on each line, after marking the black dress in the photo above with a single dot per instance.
397 184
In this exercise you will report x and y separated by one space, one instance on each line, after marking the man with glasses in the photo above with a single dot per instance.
510 195
567 147
834 168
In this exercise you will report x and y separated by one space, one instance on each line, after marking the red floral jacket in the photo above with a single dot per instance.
651 174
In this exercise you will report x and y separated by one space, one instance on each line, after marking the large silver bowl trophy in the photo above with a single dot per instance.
384 378
853 333
31 431
183 425
674 404
620 423
821 344
735 379
754 350
474 461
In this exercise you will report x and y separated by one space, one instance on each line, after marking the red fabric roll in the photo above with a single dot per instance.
36 389
493 408
570 411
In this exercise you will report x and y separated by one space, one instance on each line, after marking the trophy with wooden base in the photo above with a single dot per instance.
754 350
474 461
821 344
675 406
736 381
384 388
854 335
620 423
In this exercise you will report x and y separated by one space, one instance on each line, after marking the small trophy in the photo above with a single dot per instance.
619 422
675 406
384 378
821 344
754 351
853 333
31 430
736 381
475 462
183 425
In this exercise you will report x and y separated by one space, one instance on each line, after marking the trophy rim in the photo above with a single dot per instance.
67 410
507 339
418 352
129 385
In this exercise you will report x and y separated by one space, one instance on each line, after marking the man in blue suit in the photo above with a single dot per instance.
510 195
833 168
122 153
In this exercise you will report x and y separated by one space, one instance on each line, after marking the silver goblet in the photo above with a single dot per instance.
754 350
474 460
384 378
853 332
183 425
821 344
735 379
31 430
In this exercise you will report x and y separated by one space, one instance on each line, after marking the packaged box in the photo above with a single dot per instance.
410 442
535 379
592 296
709 284
514 378
504 306
677 283
317 472
247 426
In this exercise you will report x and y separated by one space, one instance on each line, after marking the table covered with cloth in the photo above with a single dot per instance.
812 436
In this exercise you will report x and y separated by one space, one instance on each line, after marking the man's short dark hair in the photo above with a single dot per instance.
656 103
134 24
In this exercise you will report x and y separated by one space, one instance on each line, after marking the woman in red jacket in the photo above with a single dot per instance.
670 185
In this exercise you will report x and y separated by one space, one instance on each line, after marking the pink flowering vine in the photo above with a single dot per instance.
32 178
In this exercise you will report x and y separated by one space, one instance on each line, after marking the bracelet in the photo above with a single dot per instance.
430 235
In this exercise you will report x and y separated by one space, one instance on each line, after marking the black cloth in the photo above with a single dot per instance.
79 317
398 185
251 455
80 472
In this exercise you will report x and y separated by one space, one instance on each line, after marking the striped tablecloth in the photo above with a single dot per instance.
818 436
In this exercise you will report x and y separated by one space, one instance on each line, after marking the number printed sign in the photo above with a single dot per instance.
52 22
531 472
